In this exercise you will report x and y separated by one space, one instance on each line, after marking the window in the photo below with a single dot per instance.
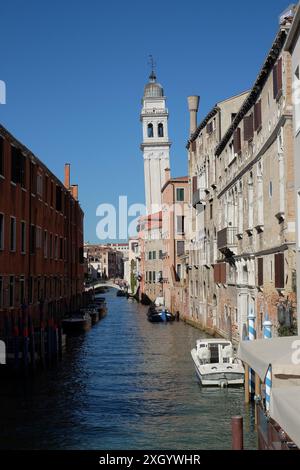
179 194
12 241
150 130
220 273
257 116
58 199
30 290
270 189
32 239
180 247
160 130
1 231
51 194
154 276
51 246
40 184
248 128
277 79
237 144
160 276
154 255
209 128
150 255
11 291
61 250
296 96
45 244
33 178
211 210
55 247
23 237
178 271
46 183
18 162
22 290
1 292
1 156
150 276
298 219
279 270
38 237
260 271
160 254
180 224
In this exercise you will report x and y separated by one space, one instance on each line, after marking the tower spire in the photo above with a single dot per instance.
152 76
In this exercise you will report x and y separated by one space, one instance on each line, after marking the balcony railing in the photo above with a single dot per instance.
226 240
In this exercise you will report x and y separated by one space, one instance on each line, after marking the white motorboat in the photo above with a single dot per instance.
216 364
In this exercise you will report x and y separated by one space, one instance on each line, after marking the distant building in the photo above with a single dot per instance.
105 261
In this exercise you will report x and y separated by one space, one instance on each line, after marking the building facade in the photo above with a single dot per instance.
243 216
105 261
202 227
151 262
41 240
293 47
175 214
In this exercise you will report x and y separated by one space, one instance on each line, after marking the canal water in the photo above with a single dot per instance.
126 384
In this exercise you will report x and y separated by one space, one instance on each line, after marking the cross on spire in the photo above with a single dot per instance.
152 64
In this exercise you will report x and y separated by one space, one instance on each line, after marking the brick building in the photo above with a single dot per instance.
41 239
175 214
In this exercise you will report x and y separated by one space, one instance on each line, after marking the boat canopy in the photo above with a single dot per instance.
283 354
285 410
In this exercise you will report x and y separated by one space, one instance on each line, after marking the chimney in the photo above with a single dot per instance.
74 190
193 104
167 174
67 175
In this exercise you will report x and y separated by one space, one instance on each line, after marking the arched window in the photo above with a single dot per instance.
150 130
160 130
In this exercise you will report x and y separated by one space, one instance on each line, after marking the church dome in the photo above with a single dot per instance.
153 89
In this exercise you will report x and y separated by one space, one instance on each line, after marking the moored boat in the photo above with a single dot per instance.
77 323
121 293
159 315
216 364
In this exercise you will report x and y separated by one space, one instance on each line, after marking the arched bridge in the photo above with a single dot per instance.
98 284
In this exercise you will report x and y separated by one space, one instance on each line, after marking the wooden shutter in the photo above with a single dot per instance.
279 270
193 146
1 155
279 77
223 273
248 127
257 115
237 140
275 82
260 271
217 273
195 184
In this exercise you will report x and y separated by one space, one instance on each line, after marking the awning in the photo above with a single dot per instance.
283 354
285 410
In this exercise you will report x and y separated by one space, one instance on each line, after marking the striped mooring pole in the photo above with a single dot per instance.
267 329
252 337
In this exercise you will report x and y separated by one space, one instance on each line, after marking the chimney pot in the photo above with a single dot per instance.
193 104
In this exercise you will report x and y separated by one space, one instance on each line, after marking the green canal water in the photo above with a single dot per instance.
126 384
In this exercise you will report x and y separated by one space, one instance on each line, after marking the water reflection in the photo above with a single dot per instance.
127 383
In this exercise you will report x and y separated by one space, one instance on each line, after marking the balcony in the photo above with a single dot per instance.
226 241
199 197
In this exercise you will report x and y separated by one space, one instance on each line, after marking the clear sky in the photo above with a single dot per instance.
75 73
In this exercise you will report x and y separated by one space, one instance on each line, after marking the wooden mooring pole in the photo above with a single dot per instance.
237 433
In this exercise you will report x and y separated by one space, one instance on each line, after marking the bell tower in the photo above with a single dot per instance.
155 145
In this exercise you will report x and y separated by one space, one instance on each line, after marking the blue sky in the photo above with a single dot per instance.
75 73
